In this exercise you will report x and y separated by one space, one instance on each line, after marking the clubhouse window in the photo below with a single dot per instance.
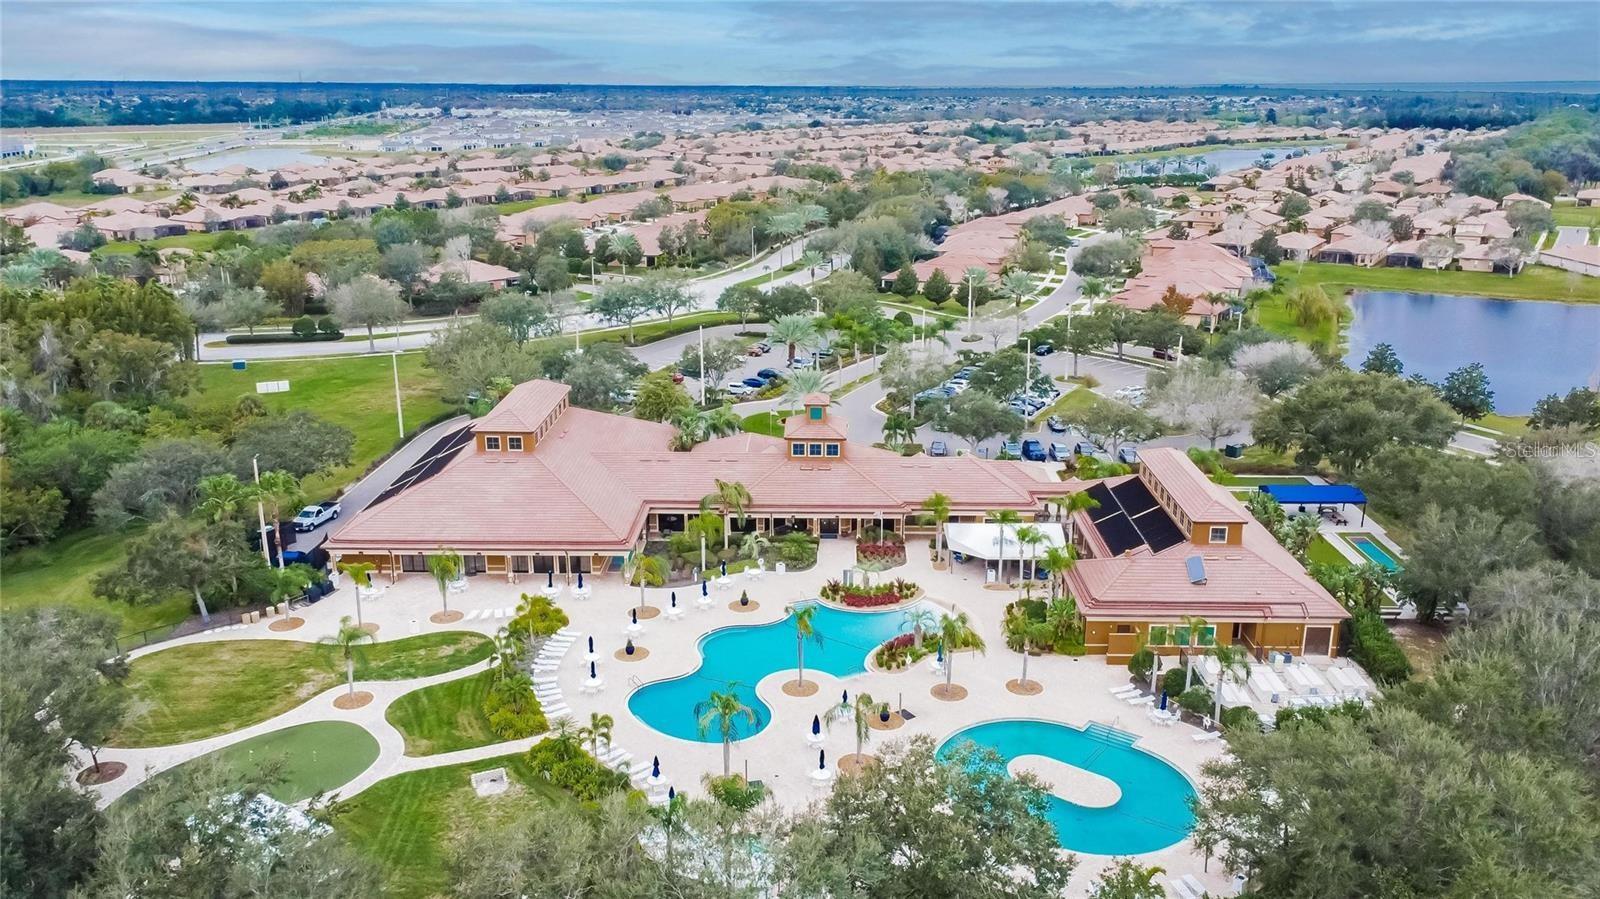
797 449
833 449
491 443
1219 535
816 413
816 449
514 444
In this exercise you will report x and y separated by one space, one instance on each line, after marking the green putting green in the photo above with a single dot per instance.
316 757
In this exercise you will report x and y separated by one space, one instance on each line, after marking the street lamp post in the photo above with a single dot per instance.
261 514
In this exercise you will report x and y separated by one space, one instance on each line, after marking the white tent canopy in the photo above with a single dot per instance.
983 541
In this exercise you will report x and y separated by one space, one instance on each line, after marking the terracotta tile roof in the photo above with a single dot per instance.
589 484
1197 495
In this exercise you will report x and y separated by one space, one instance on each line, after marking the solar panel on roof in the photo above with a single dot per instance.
1158 530
1119 534
429 464
1134 497
1108 505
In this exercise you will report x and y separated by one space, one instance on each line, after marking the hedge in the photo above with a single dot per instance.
1376 650
283 337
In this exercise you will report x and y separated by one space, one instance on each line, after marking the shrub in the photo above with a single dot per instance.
1240 717
326 325
798 547
1172 681
304 327
280 337
1197 699
1376 650
564 763
896 652
512 709
1140 663
856 597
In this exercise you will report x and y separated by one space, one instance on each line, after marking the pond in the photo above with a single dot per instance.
1528 348
258 158
1226 160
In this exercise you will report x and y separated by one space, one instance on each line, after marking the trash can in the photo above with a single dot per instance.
1234 451
240 365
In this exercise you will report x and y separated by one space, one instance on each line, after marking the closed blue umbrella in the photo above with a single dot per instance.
844 697
724 569
672 793
674 599
634 614
822 759
580 580
940 657
550 578
816 725
705 588
655 766
592 673
1163 700
591 643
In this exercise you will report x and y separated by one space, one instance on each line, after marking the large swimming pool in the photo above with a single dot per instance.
1153 811
743 655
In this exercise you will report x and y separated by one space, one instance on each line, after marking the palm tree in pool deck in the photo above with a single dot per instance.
291 581
1192 625
348 638
860 713
1035 635
956 630
920 620
1233 660
804 629
445 566
650 571
598 731
1058 560
730 498
361 574
722 711
1007 520
754 545
1028 540
938 505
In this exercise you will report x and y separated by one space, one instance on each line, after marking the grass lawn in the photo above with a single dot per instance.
444 717
62 573
764 277
315 757
648 331
1229 479
200 241
402 823
1506 424
1536 282
1323 551
80 198
354 391
1583 216
524 205
203 689
768 423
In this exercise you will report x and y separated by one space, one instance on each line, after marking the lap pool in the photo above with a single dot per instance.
743 655
1374 551
1153 811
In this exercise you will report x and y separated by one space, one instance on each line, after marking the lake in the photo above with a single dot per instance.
258 158
1226 160
1528 348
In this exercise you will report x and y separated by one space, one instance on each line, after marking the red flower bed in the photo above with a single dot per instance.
869 600
900 642
893 553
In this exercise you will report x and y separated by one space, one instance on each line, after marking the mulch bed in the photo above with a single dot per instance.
738 607
286 624
1030 687
795 688
953 693
370 627
107 772
349 701
647 613
639 654
895 722
450 617
849 764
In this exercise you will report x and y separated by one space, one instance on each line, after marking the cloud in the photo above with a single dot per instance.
890 42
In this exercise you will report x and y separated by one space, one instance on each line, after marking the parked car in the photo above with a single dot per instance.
1043 349
677 377
1128 455
770 374
313 517
1033 450
754 350
754 383
763 346
938 448
1011 448
1167 355
738 388
825 352
801 362
1083 448
1056 425
1060 452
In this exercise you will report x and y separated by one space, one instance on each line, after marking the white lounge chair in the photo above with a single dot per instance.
1141 700
1209 736
1127 690
1194 884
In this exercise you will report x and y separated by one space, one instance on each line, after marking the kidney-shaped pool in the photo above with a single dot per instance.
1153 809
744 654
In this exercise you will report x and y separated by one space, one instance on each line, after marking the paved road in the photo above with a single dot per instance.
367 489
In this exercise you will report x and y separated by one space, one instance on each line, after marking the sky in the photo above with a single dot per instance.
884 43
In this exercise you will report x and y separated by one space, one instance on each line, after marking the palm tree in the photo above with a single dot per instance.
794 330
348 637
899 429
649 570
1076 502
361 574
975 277
445 566
729 497
804 629
860 713
225 496
786 226
920 619
1062 616
290 581
1005 518
1035 635
957 631
720 422
1016 286
507 651
279 490
810 259
755 545
1230 660
1028 538
723 710
1192 625
623 246
938 505
1058 560
598 731
801 384
1129 880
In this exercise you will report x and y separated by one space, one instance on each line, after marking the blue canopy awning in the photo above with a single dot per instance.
1315 494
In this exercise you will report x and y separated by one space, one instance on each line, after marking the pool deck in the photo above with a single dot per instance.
1076 690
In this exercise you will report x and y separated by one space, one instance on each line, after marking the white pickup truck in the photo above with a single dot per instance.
313 517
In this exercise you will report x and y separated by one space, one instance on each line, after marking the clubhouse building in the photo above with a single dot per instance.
540 486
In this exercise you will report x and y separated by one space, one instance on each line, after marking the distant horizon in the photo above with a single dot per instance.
931 44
